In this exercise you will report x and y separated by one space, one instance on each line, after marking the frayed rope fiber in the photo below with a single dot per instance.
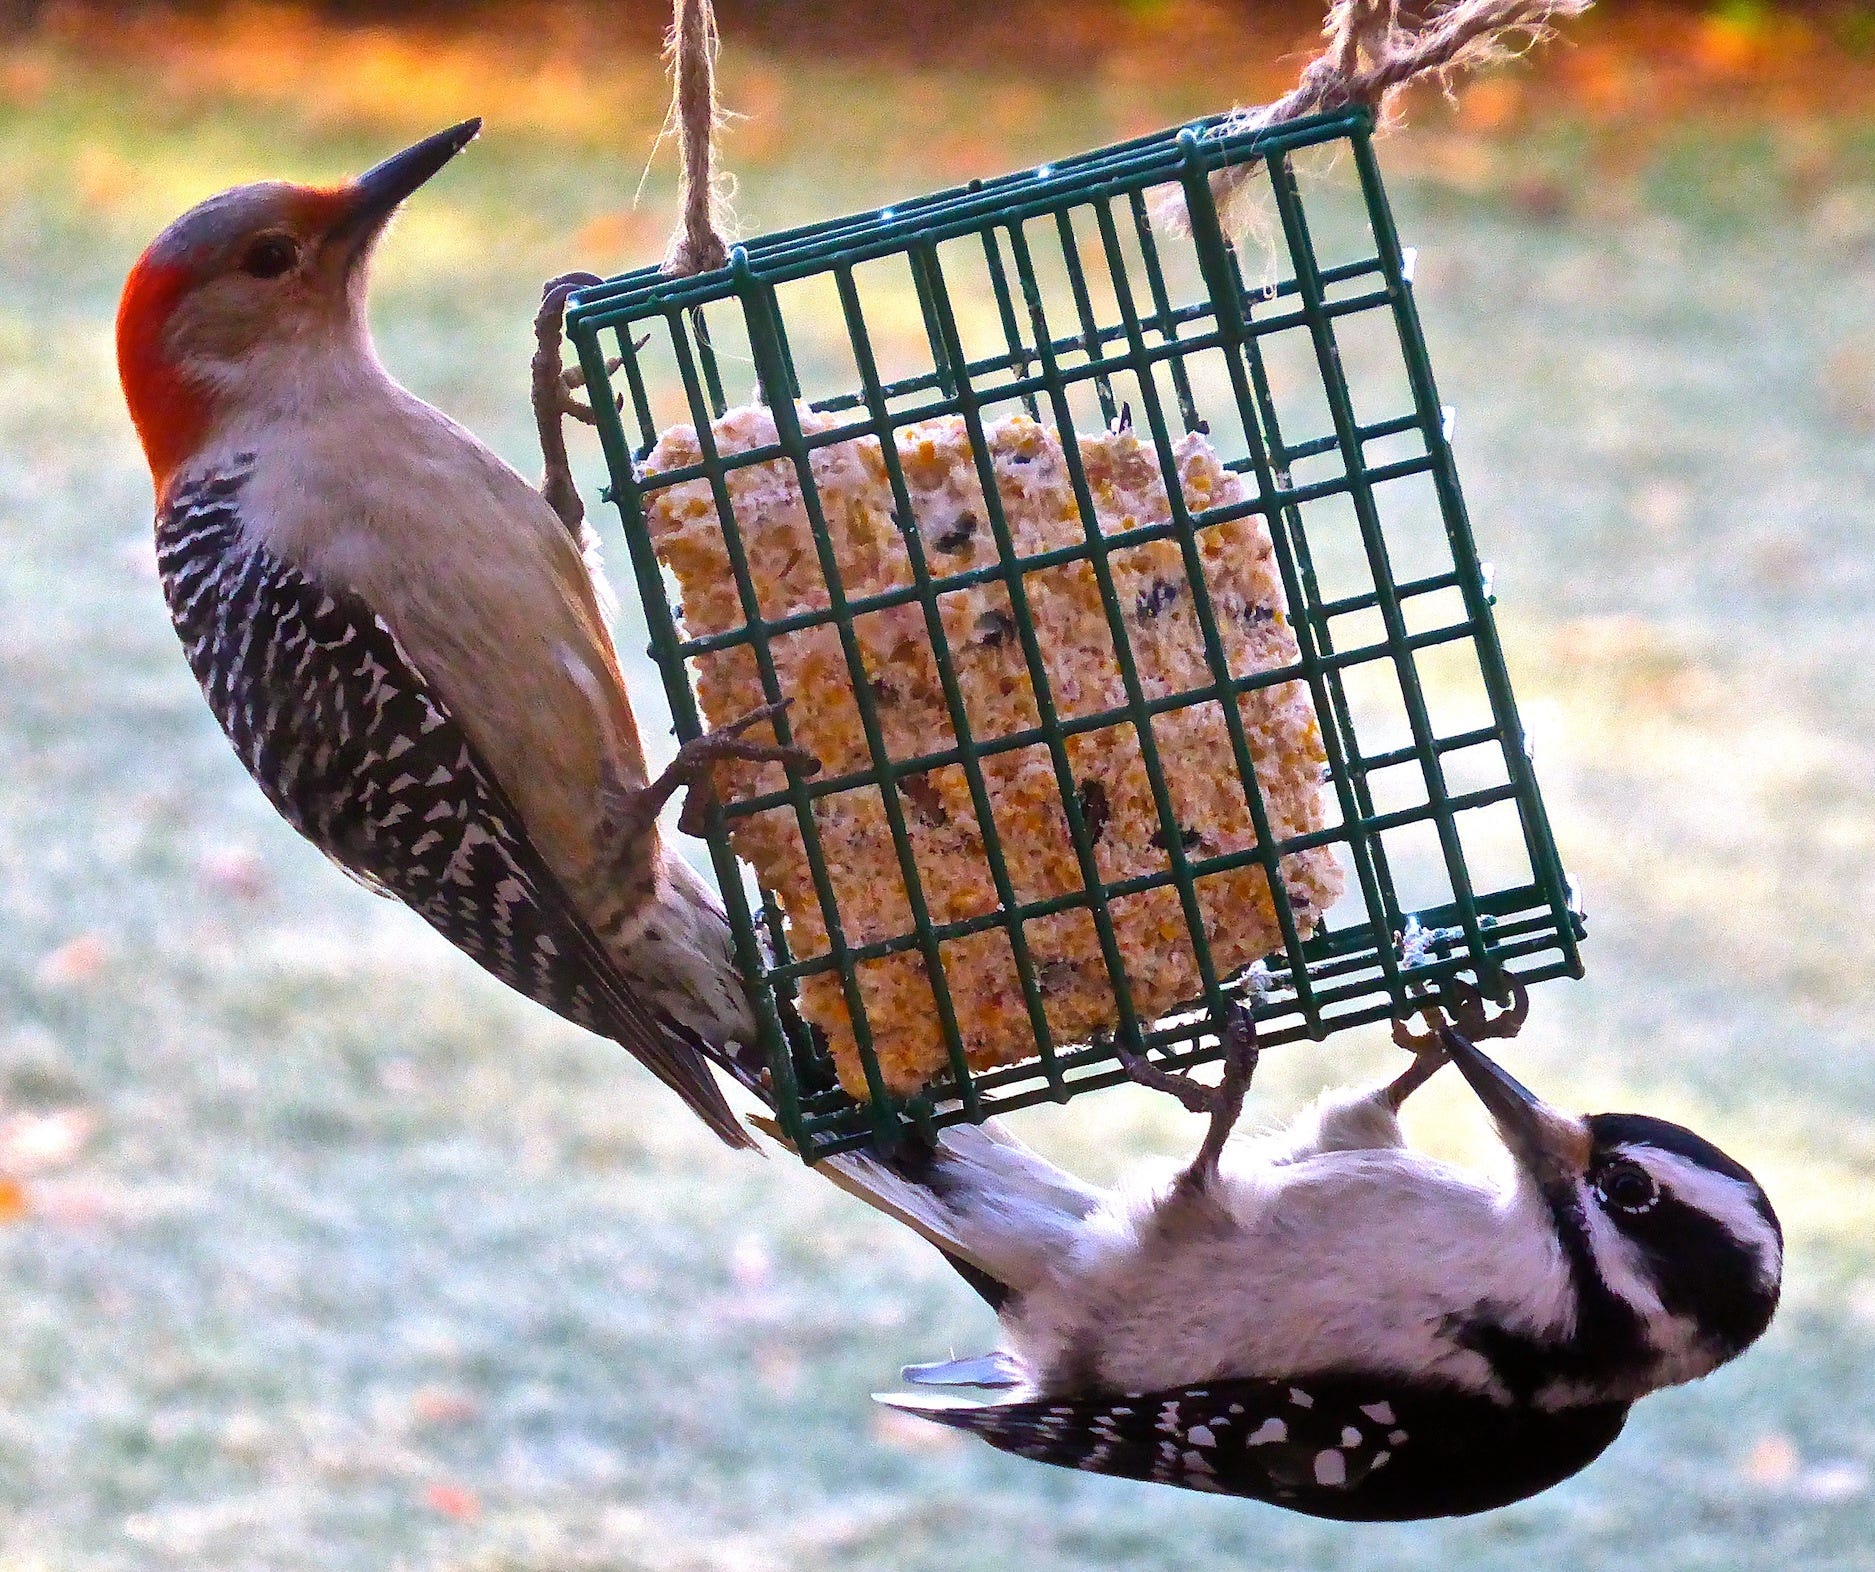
1372 53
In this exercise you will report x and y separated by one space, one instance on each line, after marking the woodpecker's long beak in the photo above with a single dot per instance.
1550 1146
380 190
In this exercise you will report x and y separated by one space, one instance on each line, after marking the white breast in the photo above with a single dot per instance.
1357 1259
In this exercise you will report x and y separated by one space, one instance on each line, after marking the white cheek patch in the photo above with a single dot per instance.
1724 1200
1617 1259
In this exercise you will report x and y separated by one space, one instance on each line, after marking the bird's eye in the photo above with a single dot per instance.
270 256
1627 1187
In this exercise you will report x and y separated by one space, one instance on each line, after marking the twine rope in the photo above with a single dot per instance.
1371 54
691 48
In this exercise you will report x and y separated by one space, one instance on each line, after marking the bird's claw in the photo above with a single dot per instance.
1193 1096
1427 1062
694 765
632 812
574 377
1468 1009
553 399
1223 1102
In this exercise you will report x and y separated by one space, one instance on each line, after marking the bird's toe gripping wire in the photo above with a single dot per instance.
553 384
1469 1010
692 771
1223 1102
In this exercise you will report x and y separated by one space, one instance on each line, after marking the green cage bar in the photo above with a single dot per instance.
1060 292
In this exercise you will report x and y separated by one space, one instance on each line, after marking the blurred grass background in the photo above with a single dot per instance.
320 1250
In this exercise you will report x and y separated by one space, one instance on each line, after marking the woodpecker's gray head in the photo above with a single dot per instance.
1674 1250
235 298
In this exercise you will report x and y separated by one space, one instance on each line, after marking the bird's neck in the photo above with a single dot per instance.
275 395
279 391
1618 1341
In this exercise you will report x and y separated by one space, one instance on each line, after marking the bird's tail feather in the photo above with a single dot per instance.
677 1057
995 1371
977 1193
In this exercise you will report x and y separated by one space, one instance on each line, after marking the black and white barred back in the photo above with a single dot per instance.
343 735
1347 1447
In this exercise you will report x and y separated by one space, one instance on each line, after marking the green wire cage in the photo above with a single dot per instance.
1062 292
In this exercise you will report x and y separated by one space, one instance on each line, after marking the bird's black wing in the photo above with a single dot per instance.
358 753
1336 1447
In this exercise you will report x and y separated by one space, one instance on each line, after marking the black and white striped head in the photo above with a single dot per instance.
1674 1250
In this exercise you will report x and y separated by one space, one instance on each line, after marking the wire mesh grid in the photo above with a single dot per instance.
1061 293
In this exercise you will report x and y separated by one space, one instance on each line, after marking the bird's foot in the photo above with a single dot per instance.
693 769
1193 1096
1223 1102
694 766
1427 1062
1468 1009
553 385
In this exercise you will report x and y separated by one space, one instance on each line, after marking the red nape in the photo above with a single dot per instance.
169 415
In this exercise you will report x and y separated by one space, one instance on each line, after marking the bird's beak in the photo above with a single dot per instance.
1550 1146
369 201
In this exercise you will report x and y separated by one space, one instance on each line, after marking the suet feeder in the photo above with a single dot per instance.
1062 292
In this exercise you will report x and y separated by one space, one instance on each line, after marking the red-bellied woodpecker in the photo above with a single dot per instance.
405 642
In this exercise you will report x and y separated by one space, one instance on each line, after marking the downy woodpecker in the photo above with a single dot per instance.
408 645
1330 1322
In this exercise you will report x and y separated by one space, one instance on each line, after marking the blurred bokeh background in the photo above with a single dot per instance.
319 1250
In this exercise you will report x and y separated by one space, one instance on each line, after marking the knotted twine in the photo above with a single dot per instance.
1370 55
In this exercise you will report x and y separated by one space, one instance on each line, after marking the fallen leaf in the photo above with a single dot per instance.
894 1427
453 1501
1772 1460
439 1405
778 1368
77 960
